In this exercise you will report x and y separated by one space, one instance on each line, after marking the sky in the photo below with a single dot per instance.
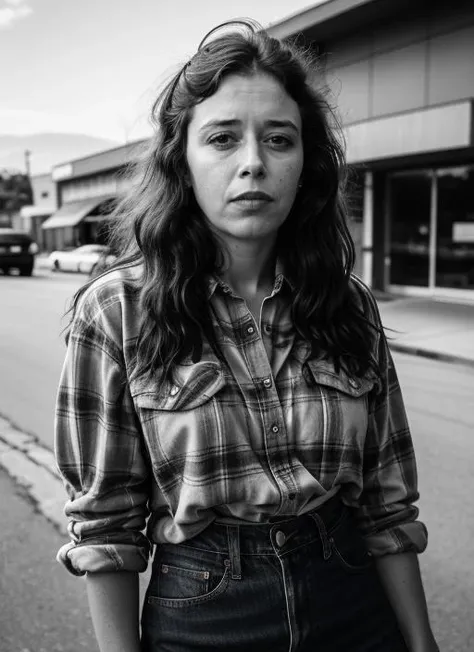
95 66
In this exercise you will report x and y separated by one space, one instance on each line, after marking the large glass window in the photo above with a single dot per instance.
455 228
355 221
410 213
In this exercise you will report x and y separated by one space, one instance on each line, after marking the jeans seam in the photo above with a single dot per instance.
287 603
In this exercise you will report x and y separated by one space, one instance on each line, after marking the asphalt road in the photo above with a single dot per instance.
440 403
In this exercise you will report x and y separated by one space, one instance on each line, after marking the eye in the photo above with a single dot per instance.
279 141
222 140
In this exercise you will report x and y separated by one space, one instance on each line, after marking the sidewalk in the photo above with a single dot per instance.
430 328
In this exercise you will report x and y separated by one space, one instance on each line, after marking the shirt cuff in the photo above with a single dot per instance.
103 558
409 537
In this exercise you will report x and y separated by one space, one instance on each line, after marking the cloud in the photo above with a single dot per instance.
17 10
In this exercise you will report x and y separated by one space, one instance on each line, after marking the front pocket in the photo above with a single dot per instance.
179 586
348 546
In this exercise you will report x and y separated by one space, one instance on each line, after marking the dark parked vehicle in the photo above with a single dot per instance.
17 251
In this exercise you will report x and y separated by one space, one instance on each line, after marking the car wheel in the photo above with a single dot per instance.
55 266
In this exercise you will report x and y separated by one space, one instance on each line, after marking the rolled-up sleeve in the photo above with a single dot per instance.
98 449
386 513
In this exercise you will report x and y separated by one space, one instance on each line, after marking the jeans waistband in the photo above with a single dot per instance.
277 538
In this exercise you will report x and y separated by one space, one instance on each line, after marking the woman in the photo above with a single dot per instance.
230 379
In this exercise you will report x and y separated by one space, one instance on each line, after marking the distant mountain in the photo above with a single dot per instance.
48 150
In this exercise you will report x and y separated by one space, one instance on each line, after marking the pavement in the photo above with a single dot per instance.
430 328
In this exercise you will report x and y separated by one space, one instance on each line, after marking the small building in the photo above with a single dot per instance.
402 76
31 218
86 193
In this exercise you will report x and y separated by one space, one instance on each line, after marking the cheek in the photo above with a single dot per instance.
288 182
208 187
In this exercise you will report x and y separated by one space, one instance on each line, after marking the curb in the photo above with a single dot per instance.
32 466
432 355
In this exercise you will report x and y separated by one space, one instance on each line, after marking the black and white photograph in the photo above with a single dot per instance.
237 326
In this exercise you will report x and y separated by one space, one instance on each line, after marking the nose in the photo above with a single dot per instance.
251 163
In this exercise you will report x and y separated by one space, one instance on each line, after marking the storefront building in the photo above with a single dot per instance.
402 77
31 218
87 190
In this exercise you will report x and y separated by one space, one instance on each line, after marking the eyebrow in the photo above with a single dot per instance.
267 123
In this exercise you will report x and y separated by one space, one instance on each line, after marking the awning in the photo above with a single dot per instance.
74 212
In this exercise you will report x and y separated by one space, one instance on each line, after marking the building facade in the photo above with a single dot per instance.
31 218
402 77
86 192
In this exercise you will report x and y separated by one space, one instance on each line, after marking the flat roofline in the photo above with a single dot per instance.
132 143
335 19
320 13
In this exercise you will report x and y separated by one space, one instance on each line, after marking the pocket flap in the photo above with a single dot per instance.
192 385
323 372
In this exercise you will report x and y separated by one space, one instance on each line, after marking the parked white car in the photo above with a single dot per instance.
82 259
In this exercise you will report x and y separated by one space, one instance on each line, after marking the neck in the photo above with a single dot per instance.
250 267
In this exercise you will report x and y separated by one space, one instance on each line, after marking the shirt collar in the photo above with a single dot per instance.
214 282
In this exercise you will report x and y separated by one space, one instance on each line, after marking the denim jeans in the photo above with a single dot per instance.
306 584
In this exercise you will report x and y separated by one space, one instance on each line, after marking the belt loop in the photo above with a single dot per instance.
234 551
323 535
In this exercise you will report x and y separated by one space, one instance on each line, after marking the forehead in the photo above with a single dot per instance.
238 97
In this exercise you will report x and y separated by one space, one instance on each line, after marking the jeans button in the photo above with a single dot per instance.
280 538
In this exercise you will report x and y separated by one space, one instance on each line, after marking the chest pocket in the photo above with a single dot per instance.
323 372
336 414
180 423
191 386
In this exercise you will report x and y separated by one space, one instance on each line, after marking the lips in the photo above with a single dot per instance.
253 195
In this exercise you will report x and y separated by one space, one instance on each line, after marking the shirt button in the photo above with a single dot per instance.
267 328
250 330
267 382
280 538
174 390
275 429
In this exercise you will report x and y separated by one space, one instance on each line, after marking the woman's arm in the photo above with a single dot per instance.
113 602
401 578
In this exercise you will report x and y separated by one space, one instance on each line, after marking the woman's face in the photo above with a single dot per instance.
245 157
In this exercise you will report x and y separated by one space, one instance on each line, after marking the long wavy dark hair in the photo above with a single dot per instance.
160 227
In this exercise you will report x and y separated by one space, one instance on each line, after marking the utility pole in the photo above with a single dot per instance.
27 162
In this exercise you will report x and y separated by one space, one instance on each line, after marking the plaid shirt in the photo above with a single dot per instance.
268 434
